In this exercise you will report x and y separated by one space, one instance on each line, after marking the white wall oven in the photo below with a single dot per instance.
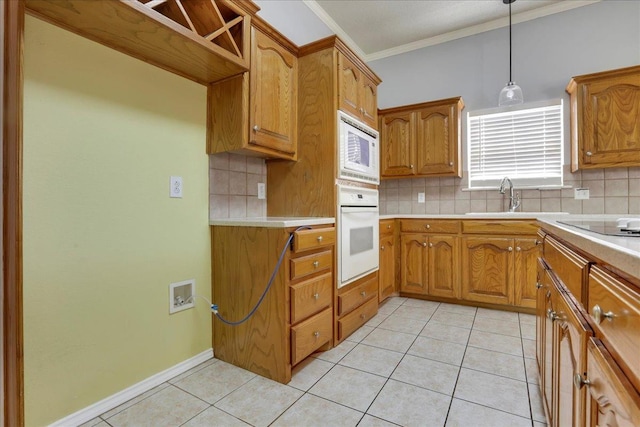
359 150
357 233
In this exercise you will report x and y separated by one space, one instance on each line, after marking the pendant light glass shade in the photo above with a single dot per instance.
511 94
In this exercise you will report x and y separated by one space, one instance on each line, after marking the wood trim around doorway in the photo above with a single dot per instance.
13 363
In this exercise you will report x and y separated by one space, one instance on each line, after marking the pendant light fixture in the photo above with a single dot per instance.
511 94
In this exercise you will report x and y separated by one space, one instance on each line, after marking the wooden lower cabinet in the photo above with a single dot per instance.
429 265
611 399
499 270
296 316
387 272
355 304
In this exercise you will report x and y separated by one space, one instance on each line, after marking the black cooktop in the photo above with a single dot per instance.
609 228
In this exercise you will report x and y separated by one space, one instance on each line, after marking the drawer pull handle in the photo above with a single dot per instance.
316 264
424 244
382 248
256 128
598 314
538 285
580 382
510 249
363 293
316 334
427 226
319 239
551 315
316 295
363 316
388 226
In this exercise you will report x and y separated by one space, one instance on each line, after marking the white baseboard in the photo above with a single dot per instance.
106 404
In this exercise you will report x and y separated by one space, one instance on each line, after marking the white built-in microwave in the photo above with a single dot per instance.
359 150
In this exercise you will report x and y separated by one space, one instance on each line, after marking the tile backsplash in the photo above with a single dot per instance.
233 186
611 191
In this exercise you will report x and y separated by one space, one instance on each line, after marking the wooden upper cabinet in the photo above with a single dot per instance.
273 110
422 139
397 154
605 119
256 113
357 92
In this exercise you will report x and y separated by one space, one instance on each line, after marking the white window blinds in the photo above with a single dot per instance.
524 143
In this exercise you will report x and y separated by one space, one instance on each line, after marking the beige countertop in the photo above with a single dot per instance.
272 221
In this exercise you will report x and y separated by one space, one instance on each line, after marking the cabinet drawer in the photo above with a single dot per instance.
499 227
615 310
311 296
358 317
305 240
310 264
310 335
567 266
356 296
430 226
387 226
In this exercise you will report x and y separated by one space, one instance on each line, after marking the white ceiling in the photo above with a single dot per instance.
379 28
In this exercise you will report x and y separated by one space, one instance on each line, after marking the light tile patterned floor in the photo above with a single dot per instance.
417 363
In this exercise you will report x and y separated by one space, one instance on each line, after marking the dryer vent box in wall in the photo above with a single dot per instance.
181 295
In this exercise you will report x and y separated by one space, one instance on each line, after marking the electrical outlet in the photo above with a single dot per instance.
181 295
581 193
262 191
420 197
175 187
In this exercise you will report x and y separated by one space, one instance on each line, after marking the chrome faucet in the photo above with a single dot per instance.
514 201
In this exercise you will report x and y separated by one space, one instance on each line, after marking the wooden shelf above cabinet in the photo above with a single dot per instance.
205 41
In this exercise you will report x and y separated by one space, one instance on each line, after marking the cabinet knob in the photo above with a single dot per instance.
589 153
538 285
599 314
382 248
450 163
427 226
510 249
361 110
388 226
548 294
430 245
256 128
411 166
316 264
319 239
580 382
316 295
518 249
552 315
316 334
424 244
363 293
538 242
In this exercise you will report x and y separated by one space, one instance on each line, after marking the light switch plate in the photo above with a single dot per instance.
175 187
262 191
581 193
420 197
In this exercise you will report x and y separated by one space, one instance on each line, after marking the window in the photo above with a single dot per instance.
524 143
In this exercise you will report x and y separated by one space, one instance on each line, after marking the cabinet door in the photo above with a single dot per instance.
273 110
369 102
436 141
611 122
397 142
349 83
571 332
526 260
611 400
387 274
543 293
442 269
414 264
547 373
487 265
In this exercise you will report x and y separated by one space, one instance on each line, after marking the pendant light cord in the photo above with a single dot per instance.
510 80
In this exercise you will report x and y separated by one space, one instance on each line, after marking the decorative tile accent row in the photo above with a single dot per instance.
612 191
233 186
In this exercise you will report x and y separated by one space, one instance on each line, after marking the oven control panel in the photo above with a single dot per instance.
357 196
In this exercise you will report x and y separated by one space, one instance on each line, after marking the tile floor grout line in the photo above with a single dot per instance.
525 374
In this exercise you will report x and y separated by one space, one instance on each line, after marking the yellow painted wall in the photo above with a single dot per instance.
103 132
